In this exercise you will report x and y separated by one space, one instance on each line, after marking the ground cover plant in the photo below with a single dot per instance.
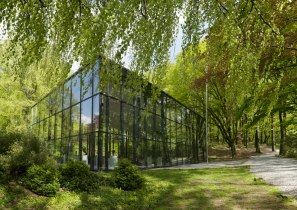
220 188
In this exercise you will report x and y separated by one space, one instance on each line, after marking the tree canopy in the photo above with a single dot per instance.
83 28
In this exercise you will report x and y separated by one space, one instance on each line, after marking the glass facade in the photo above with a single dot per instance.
99 119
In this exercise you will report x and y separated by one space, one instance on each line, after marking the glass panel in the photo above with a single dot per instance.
96 112
40 110
51 104
96 80
64 149
102 112
86 83
114 112
37 129
73 148
59 94
128 118
66 123
58 124
67 94
76 89
86 139
34 114
52 127
86 116
45 129
75 118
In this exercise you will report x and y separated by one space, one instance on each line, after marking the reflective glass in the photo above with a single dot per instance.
59 100
86 83
58 124
114 113
86 116
96 112
76 88
75 118
66 125
96 78
73 152
67 94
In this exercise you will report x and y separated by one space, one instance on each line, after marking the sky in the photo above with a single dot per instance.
173 51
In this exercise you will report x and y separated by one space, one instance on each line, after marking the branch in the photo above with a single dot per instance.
266 23
42 3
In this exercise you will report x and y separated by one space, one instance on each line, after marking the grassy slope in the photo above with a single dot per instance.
223 188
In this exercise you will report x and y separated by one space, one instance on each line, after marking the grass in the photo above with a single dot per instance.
220 188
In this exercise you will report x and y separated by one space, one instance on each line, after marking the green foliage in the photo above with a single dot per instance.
165 189
7 140
76 176
21 87
25 152
43 179
291 153
127 177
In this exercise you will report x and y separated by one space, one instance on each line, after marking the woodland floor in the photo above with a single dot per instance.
222 152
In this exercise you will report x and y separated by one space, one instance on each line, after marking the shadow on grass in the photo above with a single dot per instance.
17 197
151 196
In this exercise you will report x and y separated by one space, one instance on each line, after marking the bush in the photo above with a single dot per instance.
76 176
43 179
7 140
126 176
292 153
4 166
27 151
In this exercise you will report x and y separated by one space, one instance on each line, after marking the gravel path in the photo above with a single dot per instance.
280 172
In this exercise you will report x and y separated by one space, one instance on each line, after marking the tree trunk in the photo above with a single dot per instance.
233 150
266 138
257 145
272 134
282 134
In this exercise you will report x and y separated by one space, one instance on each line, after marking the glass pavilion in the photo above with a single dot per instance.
105 112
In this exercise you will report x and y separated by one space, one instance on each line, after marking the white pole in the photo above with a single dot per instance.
206 115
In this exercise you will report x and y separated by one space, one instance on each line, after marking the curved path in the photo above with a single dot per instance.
281 172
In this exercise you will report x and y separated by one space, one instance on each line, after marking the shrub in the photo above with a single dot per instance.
292 153
3 168
7 140
27 151
75 175
126 176
43 179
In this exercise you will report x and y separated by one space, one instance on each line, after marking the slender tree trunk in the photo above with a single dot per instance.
246 137
272 133
218 137
257 145
282 134
233 150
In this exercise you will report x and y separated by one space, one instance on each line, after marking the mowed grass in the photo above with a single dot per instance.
220 188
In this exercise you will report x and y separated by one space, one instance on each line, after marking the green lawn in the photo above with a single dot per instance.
222 188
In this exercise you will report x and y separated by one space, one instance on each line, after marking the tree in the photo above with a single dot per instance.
19 90
248 41
86 29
